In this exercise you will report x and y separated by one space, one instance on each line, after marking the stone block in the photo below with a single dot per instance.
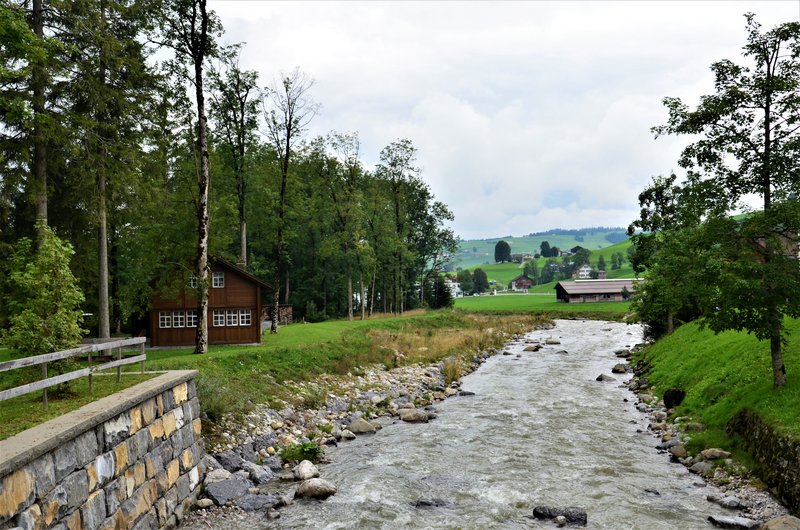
173 472
152 464
115 522
138 445
116 430
44 472
187 460
101 470
197 427
140 502
179 418
93 511
73 521
161 511
177 444
136 420
149 411
191 410
54 506
168 398
180 393
65 460
77 488
171 498
187 436
160 405
86 448
148 522
183 487
31 519
156 430
120 458
191 389
194 478
17 492
168 420
115 494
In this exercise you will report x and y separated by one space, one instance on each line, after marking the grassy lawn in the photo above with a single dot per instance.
539 303
723 374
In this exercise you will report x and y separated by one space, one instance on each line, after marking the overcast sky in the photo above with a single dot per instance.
527 115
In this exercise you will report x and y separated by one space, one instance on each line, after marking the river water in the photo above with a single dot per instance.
538 431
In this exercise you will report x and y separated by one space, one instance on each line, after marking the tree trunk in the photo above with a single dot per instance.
113 266
241 191
203 221
38 84
103 325
670 323
778 368
363 297
349 292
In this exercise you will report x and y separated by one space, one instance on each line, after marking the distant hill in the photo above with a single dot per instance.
474 252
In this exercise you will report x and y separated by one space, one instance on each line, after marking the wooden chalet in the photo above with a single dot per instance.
234 309
522 283
585 291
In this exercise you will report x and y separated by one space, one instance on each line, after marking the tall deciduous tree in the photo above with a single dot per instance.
235 110
288 109
189 29
502 252
480 282
750 144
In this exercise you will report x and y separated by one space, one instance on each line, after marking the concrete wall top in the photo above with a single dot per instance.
26 446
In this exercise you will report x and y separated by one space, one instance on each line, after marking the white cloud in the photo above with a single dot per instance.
527 115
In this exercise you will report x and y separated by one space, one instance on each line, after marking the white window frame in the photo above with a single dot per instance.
191 318
193 282
232 317
218 280
165 319
218 318
178 319
245 317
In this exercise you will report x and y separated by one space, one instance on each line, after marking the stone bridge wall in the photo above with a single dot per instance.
128 461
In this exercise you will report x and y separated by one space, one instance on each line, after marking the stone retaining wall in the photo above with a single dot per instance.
777 456
128 461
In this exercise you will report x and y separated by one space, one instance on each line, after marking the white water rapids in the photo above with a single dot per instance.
538 431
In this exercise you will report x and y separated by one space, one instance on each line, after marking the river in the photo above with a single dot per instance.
538 431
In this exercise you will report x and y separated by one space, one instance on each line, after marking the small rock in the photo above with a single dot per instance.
714 453
701 468
532 348
730 502
732 522
253 503
204 503
605 378
678 451
466 393
305 470
694 426
786 522
217 475
227 490
348 435
561 521
315 488
552 341
430 503
572 514
413 416
619 368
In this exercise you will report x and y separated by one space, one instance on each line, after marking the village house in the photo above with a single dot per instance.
585 291
234 309
521 283
584 272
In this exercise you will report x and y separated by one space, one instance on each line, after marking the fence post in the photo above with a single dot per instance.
141 364
91 387
44 392
119 368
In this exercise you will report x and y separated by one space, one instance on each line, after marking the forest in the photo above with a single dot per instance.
129 131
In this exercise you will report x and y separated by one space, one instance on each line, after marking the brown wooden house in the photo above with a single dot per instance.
584 291
234 309
521 283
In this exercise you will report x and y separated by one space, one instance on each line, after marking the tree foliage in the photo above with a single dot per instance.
502 252
480 282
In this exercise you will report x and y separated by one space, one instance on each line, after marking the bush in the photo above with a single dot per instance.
299 452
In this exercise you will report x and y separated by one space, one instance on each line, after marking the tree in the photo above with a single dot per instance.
288 109
545 247
502 252
464 278
234 109
601 263
750 144
189 29
531 270
480 282
438 295
46 300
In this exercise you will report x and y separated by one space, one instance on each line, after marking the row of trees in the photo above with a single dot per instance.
130 129
731 272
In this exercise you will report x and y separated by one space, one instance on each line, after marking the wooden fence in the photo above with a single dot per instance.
87 350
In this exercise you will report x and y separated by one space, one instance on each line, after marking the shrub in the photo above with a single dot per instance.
305 451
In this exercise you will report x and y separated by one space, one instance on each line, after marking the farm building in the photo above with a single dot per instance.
521 283
584 291
234 309
584 272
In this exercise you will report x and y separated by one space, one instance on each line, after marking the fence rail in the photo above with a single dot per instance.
89 371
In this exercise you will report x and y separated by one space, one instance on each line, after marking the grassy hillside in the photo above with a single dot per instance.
477 252
540 303
723 374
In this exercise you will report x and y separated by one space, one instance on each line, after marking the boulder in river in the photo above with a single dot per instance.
619 368
413 415
605 378
315 488
305 470
732 522
227 490
573 515
361 426
255 502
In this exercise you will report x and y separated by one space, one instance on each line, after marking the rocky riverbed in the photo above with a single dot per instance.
247 481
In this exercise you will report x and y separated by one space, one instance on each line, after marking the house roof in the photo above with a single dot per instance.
522 276
597 286
240 271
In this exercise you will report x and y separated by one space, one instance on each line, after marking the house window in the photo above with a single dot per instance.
193 281
219 317
178 319
233 317
191 319
244 317
164 319
218 279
